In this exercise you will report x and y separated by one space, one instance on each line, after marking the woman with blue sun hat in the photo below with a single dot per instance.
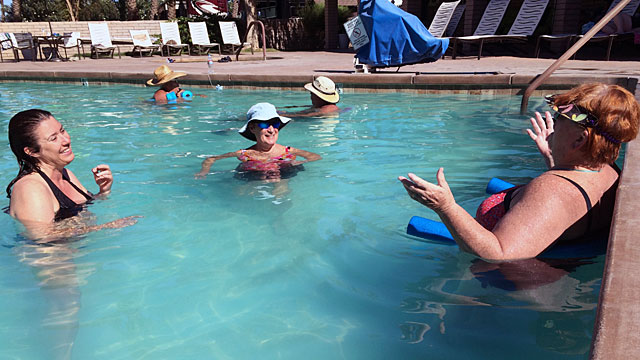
266 157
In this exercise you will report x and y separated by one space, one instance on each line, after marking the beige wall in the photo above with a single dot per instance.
117 29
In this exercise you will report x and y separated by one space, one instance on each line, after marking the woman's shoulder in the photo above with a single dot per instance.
29 184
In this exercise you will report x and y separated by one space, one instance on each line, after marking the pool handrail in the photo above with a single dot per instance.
542 77
264 49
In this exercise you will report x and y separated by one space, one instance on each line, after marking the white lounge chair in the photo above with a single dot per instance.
71 40
18 42
101 41
522 28
171 39
200 39
229 31
142 42
442 18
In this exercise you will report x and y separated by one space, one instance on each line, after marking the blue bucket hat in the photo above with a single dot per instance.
261 112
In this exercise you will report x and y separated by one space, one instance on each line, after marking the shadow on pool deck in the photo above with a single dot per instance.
617 332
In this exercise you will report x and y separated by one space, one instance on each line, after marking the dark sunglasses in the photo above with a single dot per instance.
273 122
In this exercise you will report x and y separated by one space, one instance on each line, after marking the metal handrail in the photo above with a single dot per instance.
264 43
542 77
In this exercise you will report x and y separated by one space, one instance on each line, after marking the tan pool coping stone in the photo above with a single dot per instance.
617 331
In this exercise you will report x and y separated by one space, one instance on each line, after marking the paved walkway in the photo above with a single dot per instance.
305 64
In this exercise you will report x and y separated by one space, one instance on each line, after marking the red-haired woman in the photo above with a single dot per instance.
568 202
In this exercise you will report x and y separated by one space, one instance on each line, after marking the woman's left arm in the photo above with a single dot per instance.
466 231
307 155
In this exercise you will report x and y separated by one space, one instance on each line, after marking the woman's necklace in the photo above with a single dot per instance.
578 170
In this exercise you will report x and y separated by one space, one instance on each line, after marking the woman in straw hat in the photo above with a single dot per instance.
170 89
324 98
266 159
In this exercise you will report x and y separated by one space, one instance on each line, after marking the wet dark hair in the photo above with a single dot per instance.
22 133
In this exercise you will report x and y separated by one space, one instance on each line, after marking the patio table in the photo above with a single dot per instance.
53 42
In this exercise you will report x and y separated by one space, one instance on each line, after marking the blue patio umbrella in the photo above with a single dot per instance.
396 37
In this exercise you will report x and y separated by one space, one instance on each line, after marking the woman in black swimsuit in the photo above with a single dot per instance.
44 192
570 201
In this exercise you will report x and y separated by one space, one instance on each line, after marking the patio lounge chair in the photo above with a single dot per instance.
491 18
522 28
229 31
200 43
455 20
630 10
441 20
18 42
142 42
101 41
71 40
171 39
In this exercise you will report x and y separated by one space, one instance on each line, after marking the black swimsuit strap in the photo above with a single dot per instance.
63 199
66 177
585 195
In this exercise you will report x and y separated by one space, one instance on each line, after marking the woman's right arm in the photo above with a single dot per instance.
529 227
208 162
32 205
542 129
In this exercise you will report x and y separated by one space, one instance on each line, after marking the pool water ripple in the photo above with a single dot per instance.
317 266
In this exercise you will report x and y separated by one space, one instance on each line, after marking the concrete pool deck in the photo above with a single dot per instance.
617 331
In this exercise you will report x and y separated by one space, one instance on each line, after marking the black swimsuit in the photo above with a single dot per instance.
509 195
68 207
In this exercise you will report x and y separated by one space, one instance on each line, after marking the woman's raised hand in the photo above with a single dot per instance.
437 197
542 128
103 177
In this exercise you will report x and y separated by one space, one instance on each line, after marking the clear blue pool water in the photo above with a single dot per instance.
317 268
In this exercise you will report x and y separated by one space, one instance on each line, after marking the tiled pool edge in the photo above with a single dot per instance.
617 329
489 84
616 334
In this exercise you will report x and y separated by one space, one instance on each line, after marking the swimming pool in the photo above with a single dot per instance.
319 268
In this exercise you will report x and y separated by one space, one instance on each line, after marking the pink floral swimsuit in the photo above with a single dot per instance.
493 208
274 163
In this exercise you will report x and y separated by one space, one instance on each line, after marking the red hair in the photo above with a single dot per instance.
618 114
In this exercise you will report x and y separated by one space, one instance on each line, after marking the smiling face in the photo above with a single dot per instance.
55 144
264 137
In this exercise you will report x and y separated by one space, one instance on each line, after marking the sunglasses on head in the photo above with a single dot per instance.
273 122
572 112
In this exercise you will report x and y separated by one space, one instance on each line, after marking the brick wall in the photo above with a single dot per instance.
117 29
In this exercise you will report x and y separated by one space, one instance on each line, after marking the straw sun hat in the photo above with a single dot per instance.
163 74
324 88
261 112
